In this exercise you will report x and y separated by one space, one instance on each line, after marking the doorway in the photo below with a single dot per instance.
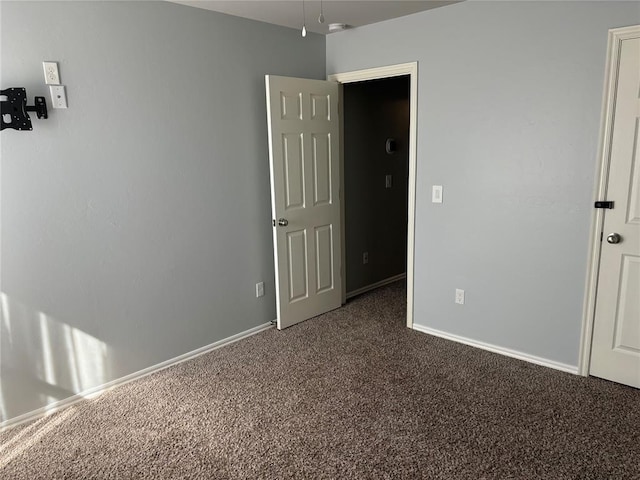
376 171
410 73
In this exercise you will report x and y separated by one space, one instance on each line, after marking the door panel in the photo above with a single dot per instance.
626 327
290 106
297 259
303 153
293 171
320 107
615 353
634 190
322 187
324 258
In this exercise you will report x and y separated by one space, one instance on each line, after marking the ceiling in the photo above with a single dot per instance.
288 13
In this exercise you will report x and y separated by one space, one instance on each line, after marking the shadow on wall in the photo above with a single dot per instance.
43 359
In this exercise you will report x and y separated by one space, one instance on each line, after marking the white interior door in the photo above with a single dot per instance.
615 350
305 199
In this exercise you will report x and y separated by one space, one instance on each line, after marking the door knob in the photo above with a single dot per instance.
614 238
283 222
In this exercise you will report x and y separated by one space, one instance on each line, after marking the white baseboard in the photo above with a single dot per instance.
373 286
496 349
100 389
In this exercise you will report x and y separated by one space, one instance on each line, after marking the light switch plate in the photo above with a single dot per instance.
436 194
58 96
51 75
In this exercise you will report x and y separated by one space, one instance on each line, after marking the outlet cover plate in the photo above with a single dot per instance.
51 74
436 194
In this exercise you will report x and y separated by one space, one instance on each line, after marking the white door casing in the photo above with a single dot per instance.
410 69
615 346
303 123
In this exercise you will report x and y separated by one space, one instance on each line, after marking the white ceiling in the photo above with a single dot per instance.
288 13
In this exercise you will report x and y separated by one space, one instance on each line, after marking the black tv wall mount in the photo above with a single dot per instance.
14 108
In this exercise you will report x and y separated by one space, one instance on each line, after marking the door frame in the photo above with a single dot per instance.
410 69
616 36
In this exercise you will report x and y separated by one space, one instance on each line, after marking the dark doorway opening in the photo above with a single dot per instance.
376 170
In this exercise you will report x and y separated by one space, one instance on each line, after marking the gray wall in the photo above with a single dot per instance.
508 118
136 223
375 216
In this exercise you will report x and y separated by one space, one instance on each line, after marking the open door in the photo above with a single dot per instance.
615 350
304 150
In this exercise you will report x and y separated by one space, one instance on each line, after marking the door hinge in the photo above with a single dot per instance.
603 204
601 235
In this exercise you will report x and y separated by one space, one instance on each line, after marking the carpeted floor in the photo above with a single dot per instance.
352 394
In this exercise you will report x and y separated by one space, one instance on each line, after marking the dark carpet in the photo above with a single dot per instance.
351 394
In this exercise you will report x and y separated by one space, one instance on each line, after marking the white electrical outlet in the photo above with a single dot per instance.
58 96
365 258
436 194
459 296
51 75
260 289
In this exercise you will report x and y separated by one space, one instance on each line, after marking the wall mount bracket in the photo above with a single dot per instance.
14 108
